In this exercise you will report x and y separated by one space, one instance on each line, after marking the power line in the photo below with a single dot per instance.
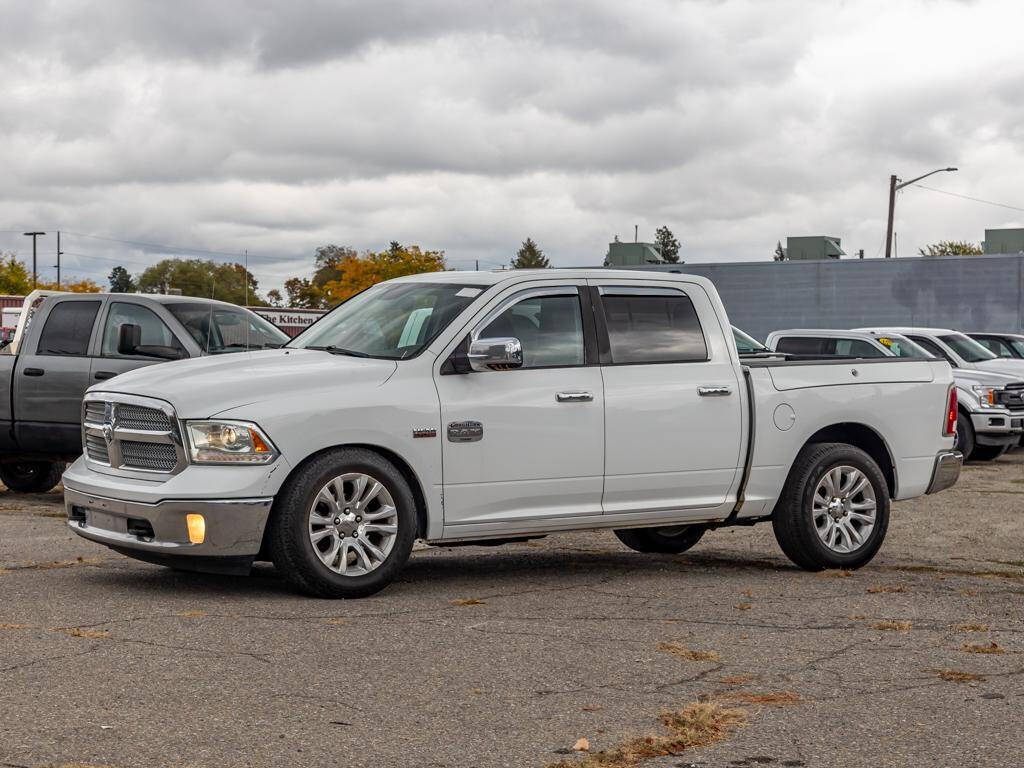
968 197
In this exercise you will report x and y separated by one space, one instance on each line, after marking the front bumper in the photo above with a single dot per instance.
946 472
157 531
999 427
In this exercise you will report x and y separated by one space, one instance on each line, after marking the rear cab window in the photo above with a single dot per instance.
68 329
652 325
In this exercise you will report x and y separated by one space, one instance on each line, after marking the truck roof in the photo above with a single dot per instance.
496 276
906 329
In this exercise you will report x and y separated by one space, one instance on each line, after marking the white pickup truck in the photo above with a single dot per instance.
464 407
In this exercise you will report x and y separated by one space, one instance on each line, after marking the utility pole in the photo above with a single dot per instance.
895 185
59 253
636 233
34 235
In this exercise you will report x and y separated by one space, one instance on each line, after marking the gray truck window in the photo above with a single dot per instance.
930 346
801 345
967 348
659 327
68 328
550 329
995 346
856 348
153 329
218 329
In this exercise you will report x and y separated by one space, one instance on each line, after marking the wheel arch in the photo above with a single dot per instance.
401 465
868 440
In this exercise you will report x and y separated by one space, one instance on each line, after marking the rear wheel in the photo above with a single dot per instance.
670 540
988 452
344 525
32 476
964 436
834 508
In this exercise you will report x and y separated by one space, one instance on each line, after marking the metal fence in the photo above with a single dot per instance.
972 293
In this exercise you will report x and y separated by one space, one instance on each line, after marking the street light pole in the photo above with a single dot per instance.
894 186
34 235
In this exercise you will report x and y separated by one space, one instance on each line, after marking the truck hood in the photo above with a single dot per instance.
991 378
205 386
1001 365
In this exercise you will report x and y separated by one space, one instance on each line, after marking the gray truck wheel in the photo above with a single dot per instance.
670 540
834 508
344 524
964 436
988 452
32 476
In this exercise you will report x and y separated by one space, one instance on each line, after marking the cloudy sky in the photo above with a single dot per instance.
280 125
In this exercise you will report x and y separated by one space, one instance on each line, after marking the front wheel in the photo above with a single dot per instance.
988 452
834 508
32 476
964 436
670 540
343 526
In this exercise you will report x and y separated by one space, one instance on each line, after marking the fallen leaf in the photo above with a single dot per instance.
981 648
892 626
886 588
191 614
468 601
953 676
682 652
743 606
972 627
581 745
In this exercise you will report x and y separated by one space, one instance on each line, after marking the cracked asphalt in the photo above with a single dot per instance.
506 656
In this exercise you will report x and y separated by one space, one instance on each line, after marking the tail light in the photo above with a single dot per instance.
950 429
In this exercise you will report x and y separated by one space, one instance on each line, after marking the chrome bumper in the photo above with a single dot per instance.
234 527
946 472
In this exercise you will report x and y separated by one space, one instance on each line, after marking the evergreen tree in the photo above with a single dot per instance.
668 244
529 256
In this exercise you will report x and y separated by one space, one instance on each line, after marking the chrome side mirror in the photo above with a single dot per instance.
499 353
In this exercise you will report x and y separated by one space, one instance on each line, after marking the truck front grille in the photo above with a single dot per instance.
131 434
160 457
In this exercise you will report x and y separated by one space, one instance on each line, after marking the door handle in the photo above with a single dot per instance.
717 391
574 397
105 375
34 371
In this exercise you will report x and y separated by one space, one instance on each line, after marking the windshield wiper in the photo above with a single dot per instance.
342 351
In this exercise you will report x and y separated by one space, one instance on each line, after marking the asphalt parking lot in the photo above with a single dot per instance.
510 656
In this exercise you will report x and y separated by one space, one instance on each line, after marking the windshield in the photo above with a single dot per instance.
967 348
746 344
219 329
901 346
393 321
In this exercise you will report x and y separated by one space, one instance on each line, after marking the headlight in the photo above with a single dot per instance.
228 442
986 395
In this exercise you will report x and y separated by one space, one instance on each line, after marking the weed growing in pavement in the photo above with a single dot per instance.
681 652
892 626
981 648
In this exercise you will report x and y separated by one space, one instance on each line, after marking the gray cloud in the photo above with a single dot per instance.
467 125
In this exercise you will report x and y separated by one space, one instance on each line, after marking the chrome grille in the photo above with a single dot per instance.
96 448
131 434
156 456
139 417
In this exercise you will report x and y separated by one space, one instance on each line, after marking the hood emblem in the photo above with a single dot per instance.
108 423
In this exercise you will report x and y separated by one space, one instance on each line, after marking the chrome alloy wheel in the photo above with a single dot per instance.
844 509
353 524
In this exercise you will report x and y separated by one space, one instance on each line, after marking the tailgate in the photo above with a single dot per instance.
834 374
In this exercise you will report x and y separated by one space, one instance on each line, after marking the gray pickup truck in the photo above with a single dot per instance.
66 342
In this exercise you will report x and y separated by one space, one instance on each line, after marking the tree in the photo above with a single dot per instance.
951 248
274 297
74 285
200 277
664 238
121 281
15 279
360 272
529 256
780 253
309 293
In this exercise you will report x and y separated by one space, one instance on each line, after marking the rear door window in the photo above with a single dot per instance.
68 329
802 345
653 325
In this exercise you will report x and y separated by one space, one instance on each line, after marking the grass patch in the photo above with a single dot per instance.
836 573
696 725
681 652
190 614
886 589
743 606
972 627
468 601
13 626
892 626
955 676
982 648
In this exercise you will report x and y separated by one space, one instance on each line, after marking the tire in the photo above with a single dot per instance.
964 436
988 452
795 520
299 515
32 476
670 540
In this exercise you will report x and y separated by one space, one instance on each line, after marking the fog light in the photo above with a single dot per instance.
196 528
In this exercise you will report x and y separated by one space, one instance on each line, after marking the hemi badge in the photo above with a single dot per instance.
424 432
